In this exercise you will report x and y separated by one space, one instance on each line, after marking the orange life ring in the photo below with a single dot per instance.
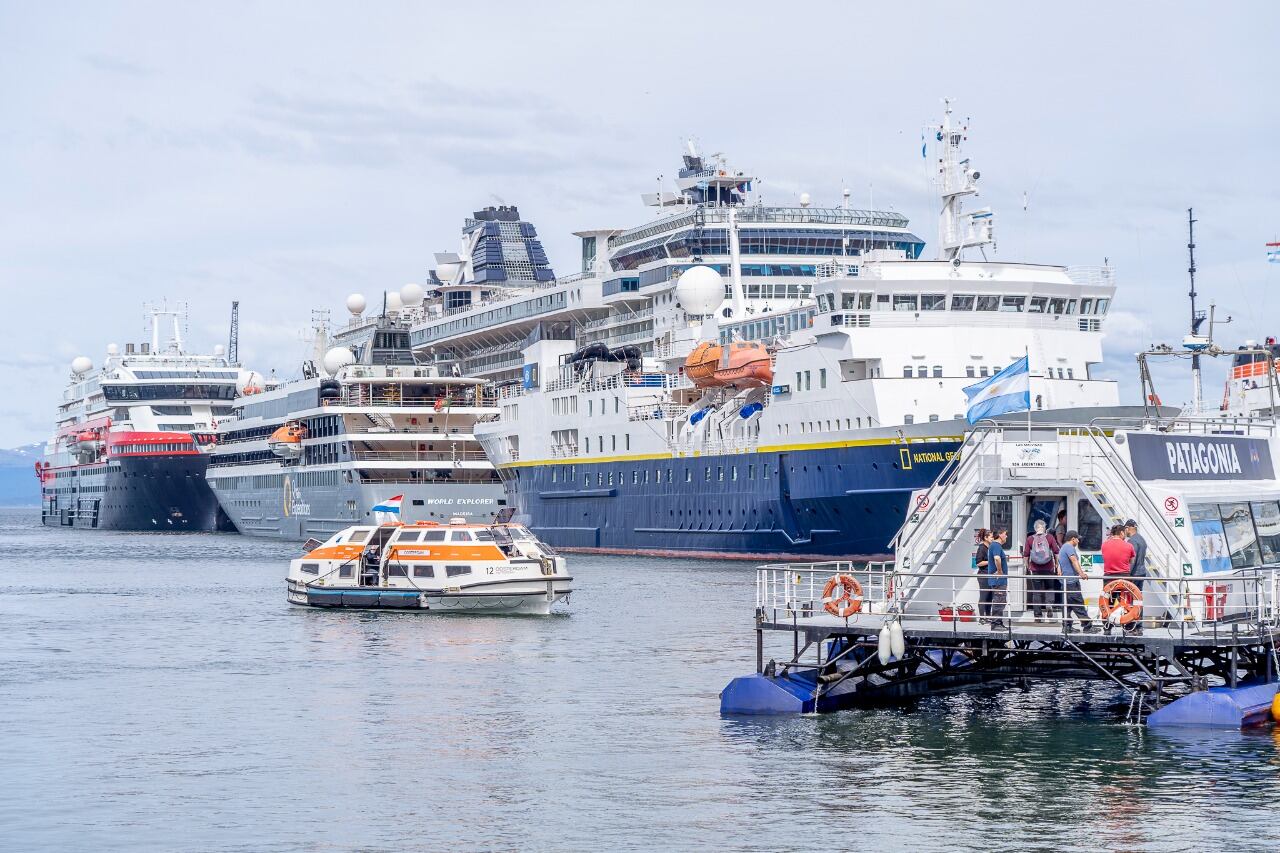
1124 595
848 602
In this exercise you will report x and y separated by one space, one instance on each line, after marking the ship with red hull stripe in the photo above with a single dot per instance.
132 438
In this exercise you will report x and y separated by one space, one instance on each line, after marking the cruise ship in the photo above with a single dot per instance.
744 380
130 445
366 429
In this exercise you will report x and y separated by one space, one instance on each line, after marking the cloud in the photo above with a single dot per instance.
116 65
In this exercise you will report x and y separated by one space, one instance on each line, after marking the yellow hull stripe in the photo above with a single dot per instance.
771 448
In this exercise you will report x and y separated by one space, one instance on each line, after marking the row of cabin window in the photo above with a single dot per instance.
923 372
640 476
963 302
591 406
626 443
162 447
394 570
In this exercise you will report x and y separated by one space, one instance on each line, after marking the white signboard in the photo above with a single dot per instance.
1028 455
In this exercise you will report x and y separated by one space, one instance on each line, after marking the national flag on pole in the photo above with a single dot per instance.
1007 391
1273 253
392 505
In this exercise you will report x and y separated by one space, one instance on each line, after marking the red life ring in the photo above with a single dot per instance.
848 602
1123 595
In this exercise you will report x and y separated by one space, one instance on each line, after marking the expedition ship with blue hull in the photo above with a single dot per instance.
630 422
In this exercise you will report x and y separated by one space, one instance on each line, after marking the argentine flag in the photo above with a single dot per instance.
392 505
1007 391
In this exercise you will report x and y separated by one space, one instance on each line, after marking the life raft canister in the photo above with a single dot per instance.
848 602
1123 595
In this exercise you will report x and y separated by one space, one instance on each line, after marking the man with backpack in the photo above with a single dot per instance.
1042 569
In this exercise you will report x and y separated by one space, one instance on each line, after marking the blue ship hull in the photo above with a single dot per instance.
822 502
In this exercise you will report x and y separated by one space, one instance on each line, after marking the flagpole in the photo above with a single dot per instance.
1026 351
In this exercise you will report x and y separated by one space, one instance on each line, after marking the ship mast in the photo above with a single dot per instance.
1197 317
956 181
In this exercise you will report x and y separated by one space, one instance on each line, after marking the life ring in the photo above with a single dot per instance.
1123 595
848 602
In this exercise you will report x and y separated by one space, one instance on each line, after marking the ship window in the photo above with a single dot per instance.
720 473
968 370
408 536
882 301
396 570
311 568
1013 304
933 419
433 536
346 571
359 536
1039 304
904 302
988 303
983 371
906 372
1242 539
1057 306
1071 306
424 571
484 536
822 377
1103 304
635 477
961 303
751 472
1071 373
908 419
937 371
688 475
1086 306
456 571
707 474
933 302
461 536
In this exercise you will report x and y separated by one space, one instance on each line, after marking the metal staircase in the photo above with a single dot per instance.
380 420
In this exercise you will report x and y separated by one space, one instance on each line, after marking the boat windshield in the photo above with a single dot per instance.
353 536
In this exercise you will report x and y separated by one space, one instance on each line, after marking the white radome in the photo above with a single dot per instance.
356 303
219 350
113 349
804 199
700 290
412 295
393 301
447 272
81 364
336 359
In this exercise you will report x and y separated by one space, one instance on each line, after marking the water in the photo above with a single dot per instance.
156 692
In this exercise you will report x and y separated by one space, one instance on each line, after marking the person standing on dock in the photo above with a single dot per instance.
981 561
1117 555
1138 569
998 577
1042 564
1072 573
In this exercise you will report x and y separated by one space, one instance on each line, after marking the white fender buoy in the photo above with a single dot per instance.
883 650
897 643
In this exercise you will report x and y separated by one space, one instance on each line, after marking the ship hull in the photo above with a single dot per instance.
151 492
292 507
827 502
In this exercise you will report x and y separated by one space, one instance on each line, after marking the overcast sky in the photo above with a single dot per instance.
288 154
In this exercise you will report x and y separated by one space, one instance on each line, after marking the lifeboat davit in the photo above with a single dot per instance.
286 442
738 365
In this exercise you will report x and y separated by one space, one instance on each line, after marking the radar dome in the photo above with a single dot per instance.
700 290
336 359
412 295
219 350
356 303
113 349
81 364
393 301
447 272
804 199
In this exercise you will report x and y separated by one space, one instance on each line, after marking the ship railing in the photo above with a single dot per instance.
431 456
618 319
1263 427
714 448
564 451
486 401
1093 276
655 412
1219 605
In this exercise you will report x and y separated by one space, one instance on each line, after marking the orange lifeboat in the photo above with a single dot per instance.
745 365
738 365
701 364
286 442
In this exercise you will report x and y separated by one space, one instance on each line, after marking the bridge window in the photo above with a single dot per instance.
1039 304
905 302
1013 304
908 419
988 303
933 302
962 303
937 371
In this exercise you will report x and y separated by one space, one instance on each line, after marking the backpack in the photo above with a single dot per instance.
1041 553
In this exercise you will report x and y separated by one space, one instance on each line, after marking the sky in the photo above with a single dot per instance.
287 154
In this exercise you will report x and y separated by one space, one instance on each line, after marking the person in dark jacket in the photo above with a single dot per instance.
1138 568
980 562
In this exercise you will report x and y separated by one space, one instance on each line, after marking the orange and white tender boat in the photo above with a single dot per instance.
456 567
744 364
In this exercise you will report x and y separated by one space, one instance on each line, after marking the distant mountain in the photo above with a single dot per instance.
18 483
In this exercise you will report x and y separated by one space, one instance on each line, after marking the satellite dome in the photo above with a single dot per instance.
700 290
447 272
113 349
81 364
393 301
411 295
356 303
336 359
804 199
219 350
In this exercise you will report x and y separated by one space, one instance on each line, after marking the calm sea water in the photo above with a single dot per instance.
156 692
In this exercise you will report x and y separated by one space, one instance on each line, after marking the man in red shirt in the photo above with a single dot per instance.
1117 554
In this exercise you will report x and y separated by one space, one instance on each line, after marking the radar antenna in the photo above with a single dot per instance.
956 181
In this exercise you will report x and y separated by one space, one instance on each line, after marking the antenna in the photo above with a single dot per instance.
233 342
1197 317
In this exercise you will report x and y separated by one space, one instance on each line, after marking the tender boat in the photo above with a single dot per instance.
455 567
737 365
286 441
